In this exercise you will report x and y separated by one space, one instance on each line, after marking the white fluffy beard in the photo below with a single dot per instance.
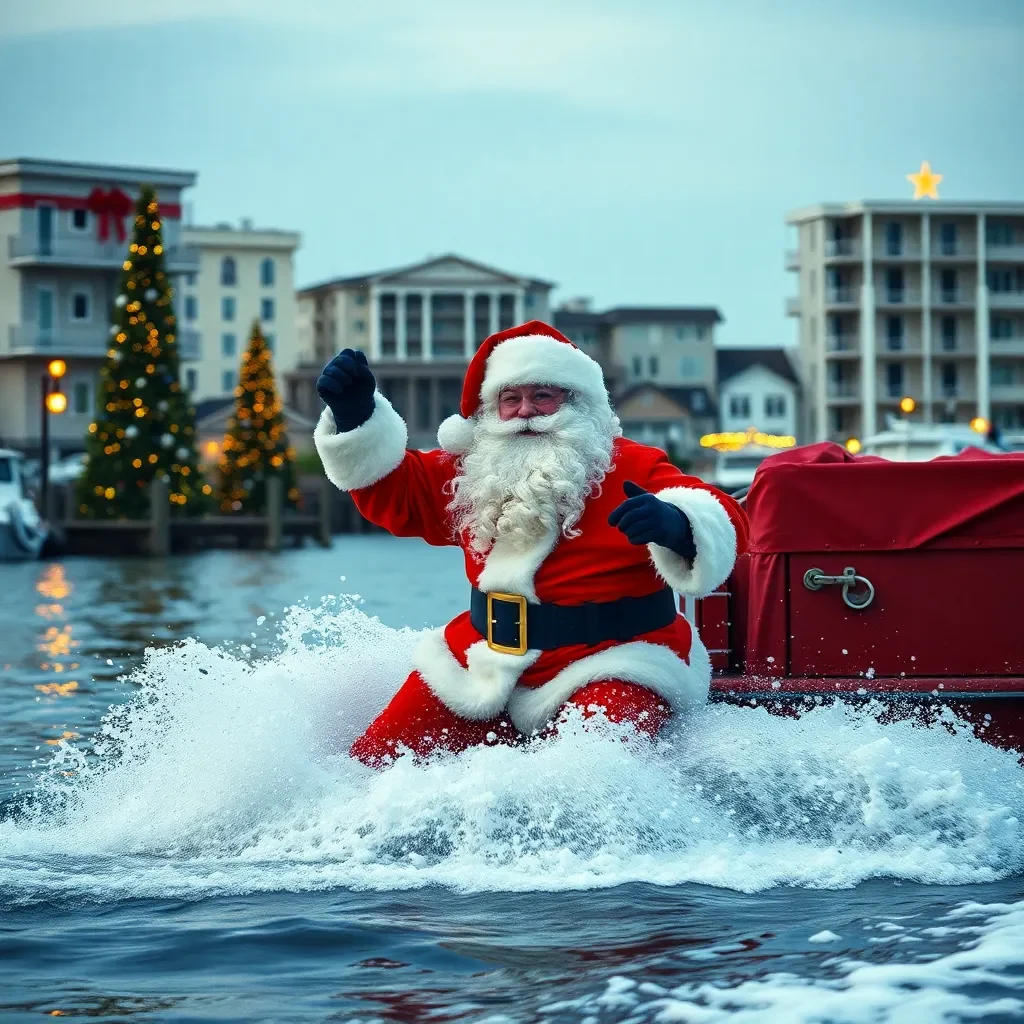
517 487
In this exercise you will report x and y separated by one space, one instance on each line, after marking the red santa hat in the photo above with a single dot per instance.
532 353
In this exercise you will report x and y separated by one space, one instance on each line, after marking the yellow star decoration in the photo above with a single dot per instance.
926 184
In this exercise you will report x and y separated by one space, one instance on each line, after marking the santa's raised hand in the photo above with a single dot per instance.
346 387
645 519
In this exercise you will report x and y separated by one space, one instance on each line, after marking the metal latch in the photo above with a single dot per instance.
815 579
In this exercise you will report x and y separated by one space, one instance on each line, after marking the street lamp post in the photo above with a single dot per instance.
55 401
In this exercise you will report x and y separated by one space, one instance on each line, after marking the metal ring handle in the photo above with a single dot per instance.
815 579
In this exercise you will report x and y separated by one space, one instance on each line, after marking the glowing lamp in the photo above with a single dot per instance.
908 405
57 368
56 402
212 449
980 425
853 445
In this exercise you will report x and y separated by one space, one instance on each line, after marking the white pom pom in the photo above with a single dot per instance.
455 435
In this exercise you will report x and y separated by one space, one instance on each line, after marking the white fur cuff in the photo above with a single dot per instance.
714 537
360 457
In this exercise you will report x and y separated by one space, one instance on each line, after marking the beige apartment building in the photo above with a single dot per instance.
921 300
419 325
244 274
60 264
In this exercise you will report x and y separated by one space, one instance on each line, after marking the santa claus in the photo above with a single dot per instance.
574 540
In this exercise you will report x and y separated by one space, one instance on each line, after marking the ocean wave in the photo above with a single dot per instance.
228 773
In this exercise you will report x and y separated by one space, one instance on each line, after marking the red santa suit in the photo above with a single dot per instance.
461 690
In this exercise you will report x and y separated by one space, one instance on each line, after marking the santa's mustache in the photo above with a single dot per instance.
548 424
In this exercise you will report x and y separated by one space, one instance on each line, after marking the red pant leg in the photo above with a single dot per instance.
624 702
415 718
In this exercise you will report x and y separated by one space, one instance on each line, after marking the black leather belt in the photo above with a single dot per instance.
513 626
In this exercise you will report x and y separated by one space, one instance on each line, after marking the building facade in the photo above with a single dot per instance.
757 387
909 300
67 228
244 274
419 326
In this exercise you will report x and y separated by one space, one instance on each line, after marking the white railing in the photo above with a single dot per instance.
90 252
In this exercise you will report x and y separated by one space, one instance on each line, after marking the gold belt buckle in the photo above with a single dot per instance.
516 599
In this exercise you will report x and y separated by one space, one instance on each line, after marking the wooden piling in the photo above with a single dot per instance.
159 519
275 509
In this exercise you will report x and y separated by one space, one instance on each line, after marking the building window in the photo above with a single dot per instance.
227 308
774 406
948 285
691 368
893 238
652 366
81 306
894 333
227 381
998 234
191 307
270 340
506 311
227 345
947 239
703 333
79 219
191 378
948 328
638 366
1002 375
266 309
949 381
810 282
1001 328
697 403
360 298
739 406
190 279
267 273
359 326
81 398
894 380
684 331
530 300
228 272
894 284
1000 279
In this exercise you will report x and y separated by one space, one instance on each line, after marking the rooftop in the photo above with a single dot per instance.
69 170
908 207
732 361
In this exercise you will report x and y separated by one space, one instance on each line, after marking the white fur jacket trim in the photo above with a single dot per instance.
714 537
358 458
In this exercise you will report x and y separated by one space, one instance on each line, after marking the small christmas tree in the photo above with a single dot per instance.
256 444
144 424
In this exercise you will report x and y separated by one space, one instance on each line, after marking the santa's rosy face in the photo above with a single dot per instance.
527 400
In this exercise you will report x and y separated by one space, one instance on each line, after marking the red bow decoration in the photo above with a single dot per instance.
109 206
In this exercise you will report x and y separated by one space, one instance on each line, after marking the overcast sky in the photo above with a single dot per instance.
635 152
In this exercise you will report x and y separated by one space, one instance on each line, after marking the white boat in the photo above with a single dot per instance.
905 441
22 532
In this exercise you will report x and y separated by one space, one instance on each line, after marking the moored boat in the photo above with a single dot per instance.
22 532
869 580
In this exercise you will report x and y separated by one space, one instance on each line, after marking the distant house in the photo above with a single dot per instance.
672 418
757 387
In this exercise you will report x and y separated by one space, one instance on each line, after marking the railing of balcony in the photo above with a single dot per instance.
91 252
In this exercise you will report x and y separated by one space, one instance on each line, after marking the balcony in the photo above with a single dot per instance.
1004 253
842 298
842 344
842 248
792 306
955 297
792 259
85 340
885 253
842 390
1007 392
898 297
965 251
1005 300
88 253
1006 346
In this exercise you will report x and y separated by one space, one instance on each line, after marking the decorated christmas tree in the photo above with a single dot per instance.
144 424
256 444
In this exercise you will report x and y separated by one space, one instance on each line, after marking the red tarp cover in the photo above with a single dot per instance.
821 498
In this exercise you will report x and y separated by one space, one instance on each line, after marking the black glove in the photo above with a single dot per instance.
346 387
645 519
